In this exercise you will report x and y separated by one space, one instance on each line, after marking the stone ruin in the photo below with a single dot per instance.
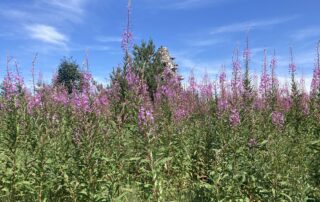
166 59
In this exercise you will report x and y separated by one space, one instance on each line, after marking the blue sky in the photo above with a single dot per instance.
200 34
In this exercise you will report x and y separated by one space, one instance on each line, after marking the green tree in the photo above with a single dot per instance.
147 63
69 74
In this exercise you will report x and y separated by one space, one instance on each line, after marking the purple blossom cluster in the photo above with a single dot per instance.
277 119
127 38
292 68
86 82
247 54
81 101
223 99
145 116
227 95
180 113
12 84
252 142
60 96
234 118
34 101
181 101
206 88
192 83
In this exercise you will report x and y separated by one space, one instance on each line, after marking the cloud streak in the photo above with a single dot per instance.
47 34
40 11
183 4
206 42
306 33
39 18
186 4
250 25
108 39
70 5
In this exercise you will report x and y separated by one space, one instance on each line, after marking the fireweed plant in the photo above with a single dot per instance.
234 139
204 141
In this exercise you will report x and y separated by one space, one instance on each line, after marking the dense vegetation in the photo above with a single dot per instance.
148 138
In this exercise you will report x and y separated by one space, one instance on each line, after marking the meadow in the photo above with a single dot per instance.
232 139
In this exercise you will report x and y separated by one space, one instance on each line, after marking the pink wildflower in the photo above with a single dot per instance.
277 119
234 118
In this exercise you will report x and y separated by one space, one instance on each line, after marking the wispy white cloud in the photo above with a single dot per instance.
70 10
46 33
70 5
14 14
205 42
306 33
250 25
40 19
108 39
43 11
92 48
5 34
183 4
99 48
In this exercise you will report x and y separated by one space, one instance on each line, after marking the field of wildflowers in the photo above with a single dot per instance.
232 139
206 141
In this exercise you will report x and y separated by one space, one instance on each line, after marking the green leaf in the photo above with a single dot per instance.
163 161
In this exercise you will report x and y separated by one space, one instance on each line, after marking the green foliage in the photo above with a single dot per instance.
69 74
56 155
61 153
148 64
